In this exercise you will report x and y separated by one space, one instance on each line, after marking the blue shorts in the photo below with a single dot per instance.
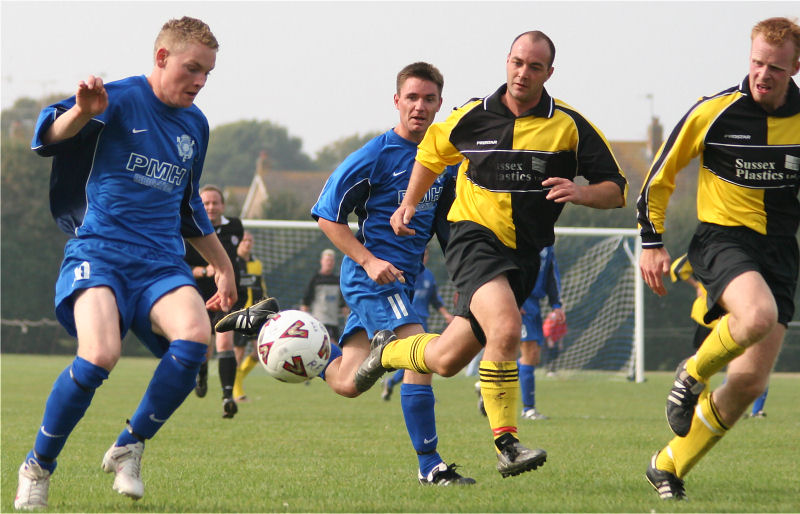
374 306
137 275
532 327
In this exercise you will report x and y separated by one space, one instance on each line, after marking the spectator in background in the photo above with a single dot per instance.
548 283
230 233
252 289
323 297
554 329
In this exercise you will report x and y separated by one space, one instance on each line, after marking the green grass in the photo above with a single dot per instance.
298 448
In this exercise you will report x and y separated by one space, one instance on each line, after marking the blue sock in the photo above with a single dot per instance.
172 382
417 402
758 405
336 352
397 377
71 395
527 385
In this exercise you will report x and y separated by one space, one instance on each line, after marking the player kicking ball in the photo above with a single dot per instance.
379 268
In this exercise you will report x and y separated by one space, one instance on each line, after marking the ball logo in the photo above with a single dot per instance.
295 367
296 330
325 349
263 350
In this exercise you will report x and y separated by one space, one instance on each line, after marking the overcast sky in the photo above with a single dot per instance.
326 70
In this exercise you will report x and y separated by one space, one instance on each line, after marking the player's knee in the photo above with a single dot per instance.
105 358
346 389
506 342
748 386
758 322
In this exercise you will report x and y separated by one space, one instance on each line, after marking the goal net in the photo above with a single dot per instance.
601 289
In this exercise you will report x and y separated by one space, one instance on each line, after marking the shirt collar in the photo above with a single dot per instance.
544 109
789 108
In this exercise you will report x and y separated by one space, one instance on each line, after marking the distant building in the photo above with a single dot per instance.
305 186
655 136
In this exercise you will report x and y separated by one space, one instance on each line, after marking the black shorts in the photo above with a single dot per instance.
475 256
719 254
241 340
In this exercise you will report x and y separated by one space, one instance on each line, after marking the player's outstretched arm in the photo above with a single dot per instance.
603 195
379 270
654 265
421 180
213 252
91 99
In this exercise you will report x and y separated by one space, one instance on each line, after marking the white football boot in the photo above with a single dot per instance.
34 482
126 462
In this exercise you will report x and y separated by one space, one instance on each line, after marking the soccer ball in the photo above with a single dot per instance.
293 346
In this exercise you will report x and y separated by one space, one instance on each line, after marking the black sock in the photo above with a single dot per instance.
227 373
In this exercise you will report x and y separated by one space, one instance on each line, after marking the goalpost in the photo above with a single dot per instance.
601 287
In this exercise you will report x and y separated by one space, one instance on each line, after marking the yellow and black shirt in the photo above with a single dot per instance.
505 158
749 169
252 287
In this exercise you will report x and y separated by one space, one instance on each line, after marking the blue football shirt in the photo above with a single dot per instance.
371 182
132 174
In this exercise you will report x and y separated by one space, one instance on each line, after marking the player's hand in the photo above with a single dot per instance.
654 265
559 316
226 295
563 190
400 220
383 272
91 98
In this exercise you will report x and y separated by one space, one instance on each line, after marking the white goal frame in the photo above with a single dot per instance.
638 331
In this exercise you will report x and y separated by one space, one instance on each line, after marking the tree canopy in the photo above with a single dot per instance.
234 148
331 155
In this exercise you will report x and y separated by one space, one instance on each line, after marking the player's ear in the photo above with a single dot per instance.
161 57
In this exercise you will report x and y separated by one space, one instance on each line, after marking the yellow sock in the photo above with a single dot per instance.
242 370
707 429
664 460
408 353
500 392
717 350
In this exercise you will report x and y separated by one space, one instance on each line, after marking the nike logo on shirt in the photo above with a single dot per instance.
398 173
136 131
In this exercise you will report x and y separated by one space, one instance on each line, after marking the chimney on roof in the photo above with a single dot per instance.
655 136
262 163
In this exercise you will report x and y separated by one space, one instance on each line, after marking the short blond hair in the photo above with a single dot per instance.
178 32
776 31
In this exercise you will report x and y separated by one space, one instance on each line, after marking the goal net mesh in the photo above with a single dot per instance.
597 287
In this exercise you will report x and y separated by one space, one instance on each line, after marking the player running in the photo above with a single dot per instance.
744 250
378 270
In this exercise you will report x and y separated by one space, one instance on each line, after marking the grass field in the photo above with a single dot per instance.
298 448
